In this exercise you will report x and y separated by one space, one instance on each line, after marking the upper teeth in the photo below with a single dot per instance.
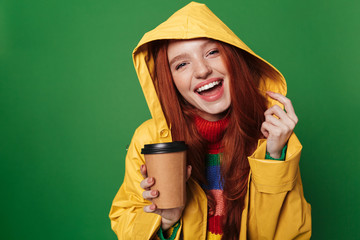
208 86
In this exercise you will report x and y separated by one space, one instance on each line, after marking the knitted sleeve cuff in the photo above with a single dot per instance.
282 157
173 230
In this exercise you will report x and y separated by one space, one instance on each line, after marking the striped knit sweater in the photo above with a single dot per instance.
213 132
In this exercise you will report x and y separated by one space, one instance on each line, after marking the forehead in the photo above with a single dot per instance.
188 44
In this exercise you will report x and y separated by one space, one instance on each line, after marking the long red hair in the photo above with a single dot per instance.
246 115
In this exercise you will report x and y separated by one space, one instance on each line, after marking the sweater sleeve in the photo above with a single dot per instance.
282 157
170 234
277 184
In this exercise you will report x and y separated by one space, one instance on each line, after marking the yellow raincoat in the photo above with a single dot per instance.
275 207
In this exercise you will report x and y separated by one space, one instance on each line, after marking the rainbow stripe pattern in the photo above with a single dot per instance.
215 189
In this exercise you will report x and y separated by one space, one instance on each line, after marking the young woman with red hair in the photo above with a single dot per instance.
207 88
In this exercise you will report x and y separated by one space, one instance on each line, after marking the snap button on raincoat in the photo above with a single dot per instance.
275 207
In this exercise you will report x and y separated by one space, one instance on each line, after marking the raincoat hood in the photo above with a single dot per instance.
194 20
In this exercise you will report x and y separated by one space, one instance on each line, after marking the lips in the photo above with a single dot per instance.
210 90
209 86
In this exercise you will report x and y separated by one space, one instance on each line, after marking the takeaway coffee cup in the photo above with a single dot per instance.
166 163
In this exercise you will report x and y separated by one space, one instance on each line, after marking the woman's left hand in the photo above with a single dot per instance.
278 130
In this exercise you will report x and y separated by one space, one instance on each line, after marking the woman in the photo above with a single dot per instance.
222 99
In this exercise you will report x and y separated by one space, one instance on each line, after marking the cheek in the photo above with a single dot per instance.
181 84
178 84
227 92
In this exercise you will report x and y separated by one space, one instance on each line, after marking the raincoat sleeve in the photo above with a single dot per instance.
278 209
128 220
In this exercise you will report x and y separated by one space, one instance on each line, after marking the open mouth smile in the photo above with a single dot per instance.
208 86
210 90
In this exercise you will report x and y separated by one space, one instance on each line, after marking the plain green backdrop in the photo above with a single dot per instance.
70 102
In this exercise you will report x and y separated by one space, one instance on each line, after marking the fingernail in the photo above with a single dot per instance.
153 192
150 180
152 207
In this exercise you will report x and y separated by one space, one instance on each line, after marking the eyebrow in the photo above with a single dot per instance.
178 57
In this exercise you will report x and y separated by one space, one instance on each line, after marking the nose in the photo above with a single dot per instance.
202 69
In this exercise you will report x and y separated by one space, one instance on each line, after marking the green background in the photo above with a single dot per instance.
70 102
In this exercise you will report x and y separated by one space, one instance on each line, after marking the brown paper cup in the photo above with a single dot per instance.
169 171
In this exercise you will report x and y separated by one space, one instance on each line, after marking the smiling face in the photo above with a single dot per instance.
200 75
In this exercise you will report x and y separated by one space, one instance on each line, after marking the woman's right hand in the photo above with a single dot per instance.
168 216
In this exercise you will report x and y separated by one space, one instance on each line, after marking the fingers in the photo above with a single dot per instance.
188 172
147 183
143 171
287 104
150 208
276 109
264 131
153 209
149 195
284 121
266 128
271 119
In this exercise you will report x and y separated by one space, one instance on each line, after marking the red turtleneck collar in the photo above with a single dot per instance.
213 132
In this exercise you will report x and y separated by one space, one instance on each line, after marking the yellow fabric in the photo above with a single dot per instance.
212 236
275 207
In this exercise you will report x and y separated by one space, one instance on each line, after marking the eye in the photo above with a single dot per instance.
213 52
180 66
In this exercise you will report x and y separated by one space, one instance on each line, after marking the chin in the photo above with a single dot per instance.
218 110
213 115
